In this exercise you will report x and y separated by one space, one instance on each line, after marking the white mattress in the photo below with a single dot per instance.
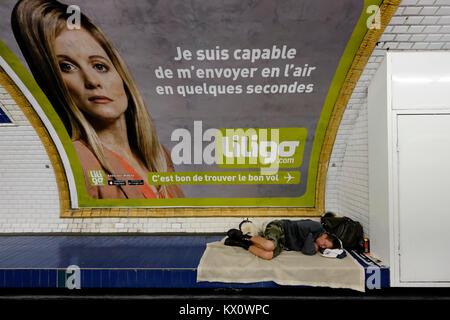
221 263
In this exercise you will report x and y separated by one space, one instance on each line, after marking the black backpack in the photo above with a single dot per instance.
350 232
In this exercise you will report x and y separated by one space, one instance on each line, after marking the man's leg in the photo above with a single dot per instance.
262 247
262 243
272 242
266 255
266 247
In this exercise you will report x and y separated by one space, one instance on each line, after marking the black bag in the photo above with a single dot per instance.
350 232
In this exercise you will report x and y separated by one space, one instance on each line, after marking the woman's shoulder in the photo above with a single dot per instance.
89 161
86 155
80 145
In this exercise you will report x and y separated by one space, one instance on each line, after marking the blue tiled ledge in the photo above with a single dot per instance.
145 261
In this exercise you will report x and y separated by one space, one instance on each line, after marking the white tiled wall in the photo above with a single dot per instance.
34 207
416 25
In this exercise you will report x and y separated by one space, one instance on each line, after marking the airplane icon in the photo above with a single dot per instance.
289 177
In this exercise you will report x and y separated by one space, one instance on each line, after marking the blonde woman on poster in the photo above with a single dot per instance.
97 99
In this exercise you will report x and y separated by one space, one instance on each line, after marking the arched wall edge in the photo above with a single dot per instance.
67 209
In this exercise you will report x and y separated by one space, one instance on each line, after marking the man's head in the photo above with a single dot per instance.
328 241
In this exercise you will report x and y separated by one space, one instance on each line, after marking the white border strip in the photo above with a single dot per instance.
51 130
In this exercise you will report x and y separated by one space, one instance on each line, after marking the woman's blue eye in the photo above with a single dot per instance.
101 67
66 67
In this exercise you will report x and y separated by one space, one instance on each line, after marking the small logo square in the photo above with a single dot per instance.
97 177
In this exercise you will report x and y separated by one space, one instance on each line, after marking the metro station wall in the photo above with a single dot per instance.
29 200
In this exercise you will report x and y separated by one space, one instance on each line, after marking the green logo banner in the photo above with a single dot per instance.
234 177
261 148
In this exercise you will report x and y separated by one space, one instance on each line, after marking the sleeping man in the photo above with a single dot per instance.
306 236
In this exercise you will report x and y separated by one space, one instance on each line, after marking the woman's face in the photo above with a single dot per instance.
92 80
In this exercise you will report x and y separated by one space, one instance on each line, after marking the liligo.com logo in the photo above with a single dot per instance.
270 148
97 177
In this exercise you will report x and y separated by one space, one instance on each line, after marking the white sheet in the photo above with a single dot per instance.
221 263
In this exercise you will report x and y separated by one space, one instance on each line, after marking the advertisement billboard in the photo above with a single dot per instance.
185 104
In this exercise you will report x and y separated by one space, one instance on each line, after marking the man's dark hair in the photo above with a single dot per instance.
334 240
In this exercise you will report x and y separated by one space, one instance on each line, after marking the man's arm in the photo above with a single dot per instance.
315 227
309 247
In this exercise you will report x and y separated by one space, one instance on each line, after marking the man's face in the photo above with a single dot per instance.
323 242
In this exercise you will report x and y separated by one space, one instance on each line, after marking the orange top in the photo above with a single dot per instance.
146 190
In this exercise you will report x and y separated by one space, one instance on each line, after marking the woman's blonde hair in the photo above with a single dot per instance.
36 24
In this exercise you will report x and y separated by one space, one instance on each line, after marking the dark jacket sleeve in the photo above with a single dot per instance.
315 228
308 247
